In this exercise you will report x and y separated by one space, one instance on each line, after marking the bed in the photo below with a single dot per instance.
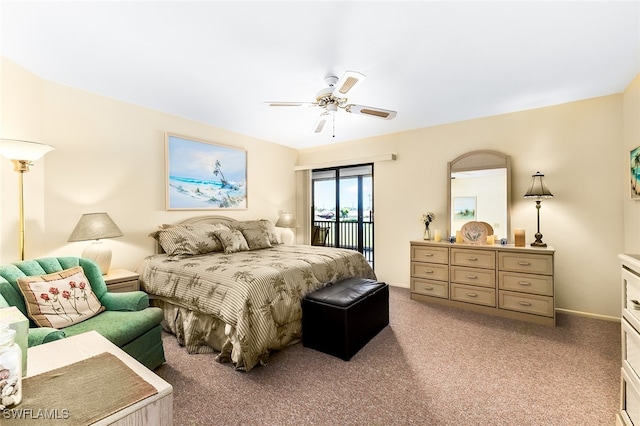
240 297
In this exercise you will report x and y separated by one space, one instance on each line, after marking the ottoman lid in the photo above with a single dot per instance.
346 292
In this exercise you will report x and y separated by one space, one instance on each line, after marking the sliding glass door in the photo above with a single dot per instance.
343 203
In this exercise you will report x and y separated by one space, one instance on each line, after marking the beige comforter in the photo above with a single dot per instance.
254 296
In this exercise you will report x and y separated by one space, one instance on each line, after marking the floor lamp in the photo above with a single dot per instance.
23 154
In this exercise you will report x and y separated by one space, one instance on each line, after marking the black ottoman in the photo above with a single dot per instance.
341 318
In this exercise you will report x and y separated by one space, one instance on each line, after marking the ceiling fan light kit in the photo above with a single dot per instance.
334 96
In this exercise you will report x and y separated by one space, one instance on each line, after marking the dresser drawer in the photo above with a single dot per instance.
430 254
630 404
631 292
473 276
528 303
430 288
475 258
631 347
528 263
478 295
526 283
434 271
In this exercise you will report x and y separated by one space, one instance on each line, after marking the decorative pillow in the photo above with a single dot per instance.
265 224
257 238
60 299
232 240
189 239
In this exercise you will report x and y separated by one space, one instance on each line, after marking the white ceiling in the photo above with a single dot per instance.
434 62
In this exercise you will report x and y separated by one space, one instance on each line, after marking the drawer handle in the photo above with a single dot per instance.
522 303
428 271
524 283
472 259
472 294
523 263
429 254
472 277
428 288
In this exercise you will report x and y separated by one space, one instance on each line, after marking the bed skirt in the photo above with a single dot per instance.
202 333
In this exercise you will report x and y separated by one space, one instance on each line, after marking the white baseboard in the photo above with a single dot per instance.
589 315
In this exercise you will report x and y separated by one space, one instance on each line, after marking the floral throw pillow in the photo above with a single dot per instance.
232 240
60 299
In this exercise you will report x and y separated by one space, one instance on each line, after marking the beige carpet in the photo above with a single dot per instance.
432 366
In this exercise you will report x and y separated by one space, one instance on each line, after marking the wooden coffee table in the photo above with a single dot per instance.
154 410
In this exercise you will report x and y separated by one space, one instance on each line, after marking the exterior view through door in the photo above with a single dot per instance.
342 210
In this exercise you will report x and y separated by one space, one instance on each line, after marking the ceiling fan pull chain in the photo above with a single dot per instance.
334 124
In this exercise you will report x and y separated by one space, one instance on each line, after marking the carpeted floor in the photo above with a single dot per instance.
432 366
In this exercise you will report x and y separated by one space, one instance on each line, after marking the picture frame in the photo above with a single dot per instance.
464 208
202 175
634 173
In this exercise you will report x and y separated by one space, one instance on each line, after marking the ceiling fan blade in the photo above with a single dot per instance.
321 122
385 114
347 82
291 104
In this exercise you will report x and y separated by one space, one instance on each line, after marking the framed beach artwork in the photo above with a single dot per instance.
203 175
464 208
634 167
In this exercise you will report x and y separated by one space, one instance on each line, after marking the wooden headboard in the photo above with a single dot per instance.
199 219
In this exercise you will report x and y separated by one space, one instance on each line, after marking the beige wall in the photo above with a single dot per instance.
109 157
577 146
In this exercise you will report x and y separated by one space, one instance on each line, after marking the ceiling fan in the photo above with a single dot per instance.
333 97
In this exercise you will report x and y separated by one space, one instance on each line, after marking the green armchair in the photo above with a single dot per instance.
127 320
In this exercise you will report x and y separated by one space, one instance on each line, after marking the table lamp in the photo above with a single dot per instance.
538 191
96 226
287 221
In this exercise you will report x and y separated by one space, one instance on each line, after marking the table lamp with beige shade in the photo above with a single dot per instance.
96 226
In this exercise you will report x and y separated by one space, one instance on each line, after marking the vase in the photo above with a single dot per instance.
427 233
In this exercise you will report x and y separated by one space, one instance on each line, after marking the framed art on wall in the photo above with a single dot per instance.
464 208
203 175
634 167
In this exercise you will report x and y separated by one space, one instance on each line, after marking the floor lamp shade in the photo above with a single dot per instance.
22 154
96 226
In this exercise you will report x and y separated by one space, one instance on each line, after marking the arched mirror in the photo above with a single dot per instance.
479 189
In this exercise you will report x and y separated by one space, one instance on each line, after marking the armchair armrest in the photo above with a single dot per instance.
40 335
128 301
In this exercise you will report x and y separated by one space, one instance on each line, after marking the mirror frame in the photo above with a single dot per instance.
480 160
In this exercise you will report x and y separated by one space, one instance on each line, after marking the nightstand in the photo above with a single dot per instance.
121 280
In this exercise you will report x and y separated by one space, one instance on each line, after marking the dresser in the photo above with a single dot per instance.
504 280
630 373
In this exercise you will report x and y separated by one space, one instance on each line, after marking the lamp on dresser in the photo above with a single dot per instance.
537 192
96 226
287 221
22 154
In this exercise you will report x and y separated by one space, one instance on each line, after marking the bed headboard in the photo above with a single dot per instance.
199 219
207 219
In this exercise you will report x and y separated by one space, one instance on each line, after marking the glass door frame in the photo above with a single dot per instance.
363 244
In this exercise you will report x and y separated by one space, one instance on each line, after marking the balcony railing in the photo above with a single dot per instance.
348 235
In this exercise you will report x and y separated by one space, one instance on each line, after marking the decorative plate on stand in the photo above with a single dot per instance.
474 233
